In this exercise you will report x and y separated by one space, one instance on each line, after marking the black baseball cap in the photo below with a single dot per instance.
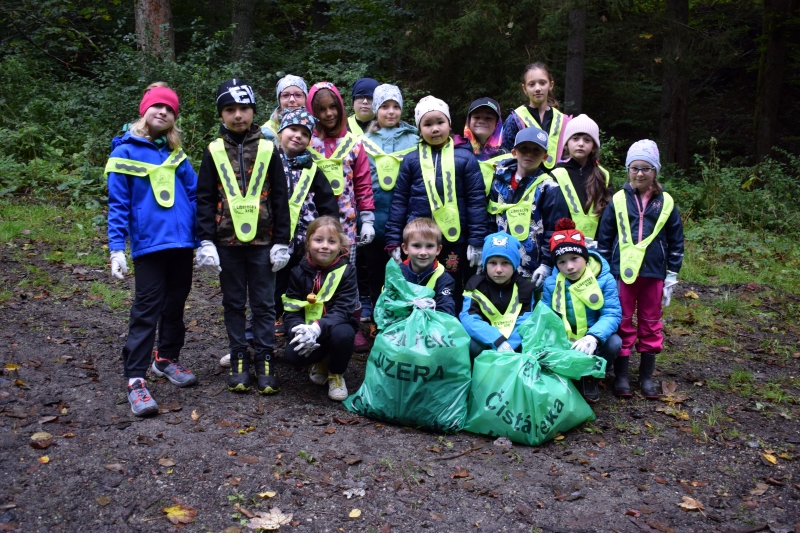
491 103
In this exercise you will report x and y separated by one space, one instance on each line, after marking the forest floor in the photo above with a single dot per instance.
728 444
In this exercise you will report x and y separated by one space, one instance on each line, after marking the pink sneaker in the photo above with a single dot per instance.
361 344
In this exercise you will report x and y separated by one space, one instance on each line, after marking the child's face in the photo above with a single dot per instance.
324 245
421 251
529 156
482 123
292 98
435 128
159 118
237 117
499 269
328 112
571 265
639 178
537 86
362 106
579 147
294 140
389 114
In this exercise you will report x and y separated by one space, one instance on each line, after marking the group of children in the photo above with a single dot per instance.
300 216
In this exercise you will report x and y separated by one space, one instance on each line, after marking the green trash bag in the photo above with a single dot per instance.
529 397
418 372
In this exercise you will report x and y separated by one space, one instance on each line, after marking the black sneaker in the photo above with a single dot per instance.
588 388
239 375
267 381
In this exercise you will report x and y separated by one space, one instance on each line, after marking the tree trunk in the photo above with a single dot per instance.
243 17
154 27
675 86
319 19
576 51
770 73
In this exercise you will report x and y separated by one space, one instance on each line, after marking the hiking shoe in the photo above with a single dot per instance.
337 389
239 375
318 373
589 390
225 361
266 380
142 404
360 343
366 310
174 371
280 328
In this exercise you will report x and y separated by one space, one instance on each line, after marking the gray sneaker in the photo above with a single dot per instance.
142 404
175 372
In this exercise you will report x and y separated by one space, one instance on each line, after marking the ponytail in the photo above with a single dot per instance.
596 189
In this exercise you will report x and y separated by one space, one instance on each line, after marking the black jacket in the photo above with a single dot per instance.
443 288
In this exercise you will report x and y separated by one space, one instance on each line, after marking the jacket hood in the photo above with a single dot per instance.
401 129
605 268
328 85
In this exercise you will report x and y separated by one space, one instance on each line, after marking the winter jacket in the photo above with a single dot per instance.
666 250
514 123
605 321
443 288
270 128
476 323
213 212
306 277
551 207
389 140
411 199
132 208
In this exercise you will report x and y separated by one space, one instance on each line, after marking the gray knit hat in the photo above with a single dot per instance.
384 93
644 150
290 80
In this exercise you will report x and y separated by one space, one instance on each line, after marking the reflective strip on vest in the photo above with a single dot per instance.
387 165
552 135
631 255
518 215
437 273
585 293
332 166
488 168
244 209
162 177
445 211
299 194
586 223
328 289
504 322
355 129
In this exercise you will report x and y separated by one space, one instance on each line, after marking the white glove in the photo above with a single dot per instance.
207 258
669 285
367 227
279 256
396 255
590 243
505 347
541 273
474 255
305 333
119 266
587 345
306 349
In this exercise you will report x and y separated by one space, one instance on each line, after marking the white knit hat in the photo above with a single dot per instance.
428 104
384 93
644 150
583 124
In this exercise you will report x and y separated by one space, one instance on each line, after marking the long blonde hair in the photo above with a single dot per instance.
140 129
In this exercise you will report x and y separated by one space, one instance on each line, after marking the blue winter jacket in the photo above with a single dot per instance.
132 208
605 321
411 200
666 250
390 140
478 325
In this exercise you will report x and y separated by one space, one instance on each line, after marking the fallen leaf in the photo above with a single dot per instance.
699 483
460 472
352 459
231 452
232 529
673 412
116 467
41 435
180 514
12 366
47 419
668 387
272 520
691 294
44 459
559 437
760 489
354 492
330 431
103 500
166 462
195 416
770 458
247 459
661 480
690 504
785 455
633 512
41 444
268 494
355 513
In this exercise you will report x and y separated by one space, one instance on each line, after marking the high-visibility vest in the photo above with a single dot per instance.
586 223
299 195
552 135
315 303
437 273
162 177
505 322
355 129
631 255
387 165
585 293
518 215
487 169
444 210
332 166
244 208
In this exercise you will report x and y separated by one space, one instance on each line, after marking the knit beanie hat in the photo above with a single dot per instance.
644 150
501 244
428 104
290 80
583 124
364 87
298 117
159 95
567 239
235 91
384 93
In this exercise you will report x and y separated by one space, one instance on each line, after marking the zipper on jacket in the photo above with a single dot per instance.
242 169
641 215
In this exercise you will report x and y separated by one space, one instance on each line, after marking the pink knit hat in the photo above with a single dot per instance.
159 95
583 124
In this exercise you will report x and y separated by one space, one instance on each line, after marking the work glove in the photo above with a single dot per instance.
119 265
396 255
305 338
505 347
207 258
541 273
474 255
279 256
590 243
587 345
367 227
669 285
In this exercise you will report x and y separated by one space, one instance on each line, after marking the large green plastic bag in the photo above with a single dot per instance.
529 397
418 372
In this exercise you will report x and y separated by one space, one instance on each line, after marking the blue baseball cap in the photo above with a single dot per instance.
531 134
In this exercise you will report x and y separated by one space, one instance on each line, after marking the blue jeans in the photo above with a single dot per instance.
609 350
247 274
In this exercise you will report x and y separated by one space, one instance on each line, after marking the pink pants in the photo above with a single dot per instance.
644 293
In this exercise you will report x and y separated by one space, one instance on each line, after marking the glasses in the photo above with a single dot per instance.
362 97
643 170
292 96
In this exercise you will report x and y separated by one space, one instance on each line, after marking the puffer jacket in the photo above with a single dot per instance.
666 250
411 199
132 208
605 321
443 289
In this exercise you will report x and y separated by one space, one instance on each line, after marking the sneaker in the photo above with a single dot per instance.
366 310
280 328
373 331
239 375
266 380
588 388
174 371
318 373
337 389
225 361
142 404
360 343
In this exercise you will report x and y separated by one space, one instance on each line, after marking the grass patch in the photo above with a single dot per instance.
114 298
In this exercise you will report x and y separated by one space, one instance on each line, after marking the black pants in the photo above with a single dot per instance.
363 274
454 258
375 260
163 281
337 346
282 278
